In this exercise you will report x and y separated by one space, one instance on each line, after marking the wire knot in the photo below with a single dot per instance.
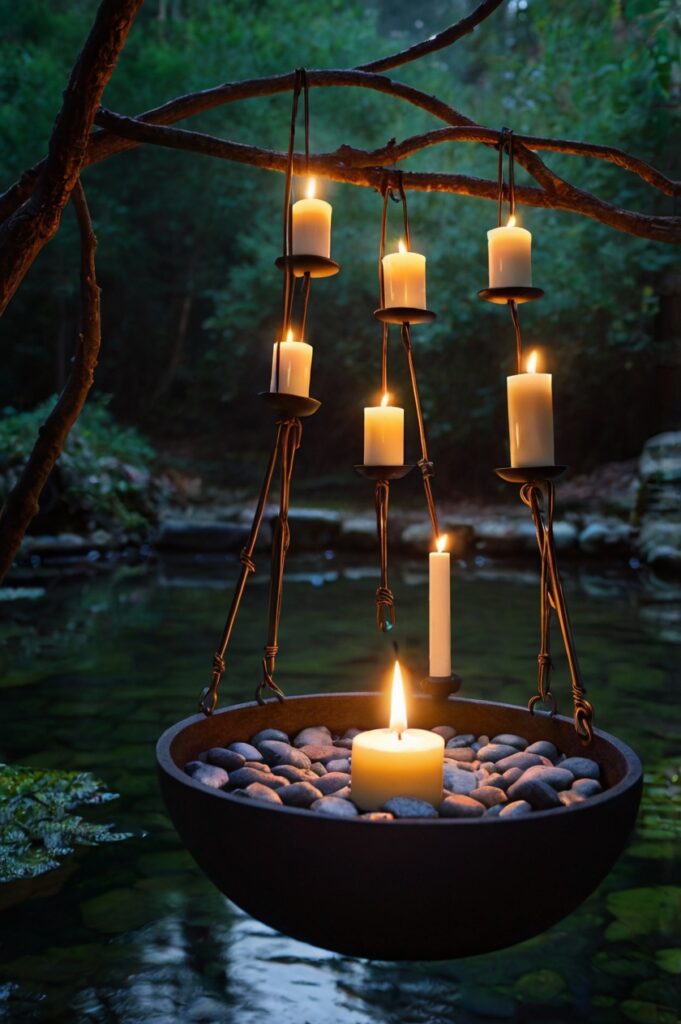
427 468
246 560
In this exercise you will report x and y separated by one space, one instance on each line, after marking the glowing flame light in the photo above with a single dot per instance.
511 222
401 246
441 543
532 362
398 705
289 335
311 188
385 399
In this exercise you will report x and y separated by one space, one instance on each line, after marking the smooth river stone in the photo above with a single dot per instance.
464 740
514 810
521 760
377 816
345 744
558 778
501 782
409 807
256 791
299 794
244 777
489 795
334 807
509 739
317 769
568 797
446 731
323 754
258 766
247 751
275 753
341 765
457 806
460 754
458 781
539 794
545 748
269 734
318 735
287 771
223 758
350 733
495 811
512 775
212 776
329 783
586 787
496 751
343 794
193 766
582 767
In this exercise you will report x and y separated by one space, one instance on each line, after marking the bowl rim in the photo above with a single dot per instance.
166 763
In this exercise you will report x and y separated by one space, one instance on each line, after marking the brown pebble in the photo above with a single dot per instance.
377 816
489 795
568 797
332 781
259 792
259 766
446 731
299 794
460 754
456 806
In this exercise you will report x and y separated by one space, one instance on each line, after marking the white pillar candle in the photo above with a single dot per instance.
311 225
295 364
510 256
397 761
439 603
383 434
530 417
404 279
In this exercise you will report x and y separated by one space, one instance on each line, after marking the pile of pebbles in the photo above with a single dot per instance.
504 776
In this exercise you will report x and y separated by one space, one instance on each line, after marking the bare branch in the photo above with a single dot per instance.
438 42
23 501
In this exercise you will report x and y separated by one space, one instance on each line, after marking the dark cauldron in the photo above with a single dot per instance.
387 890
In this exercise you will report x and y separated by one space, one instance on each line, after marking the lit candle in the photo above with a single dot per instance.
311 225
397 761
510 256
530 417
404 279
439 588
295 364
383 434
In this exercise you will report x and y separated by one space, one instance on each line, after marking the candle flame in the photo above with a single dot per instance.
385 399
441 543
289 335
511 222
311 188
398 705
401 246
532 362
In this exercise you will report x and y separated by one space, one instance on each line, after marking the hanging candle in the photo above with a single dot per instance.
509 251
383 434
530 417
311 225
404 279
295 364
439 618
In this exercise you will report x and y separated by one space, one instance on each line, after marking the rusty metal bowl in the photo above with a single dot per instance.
389 890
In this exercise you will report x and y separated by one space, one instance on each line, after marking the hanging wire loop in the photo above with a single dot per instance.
385 600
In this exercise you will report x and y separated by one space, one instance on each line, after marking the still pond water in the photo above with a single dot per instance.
95 668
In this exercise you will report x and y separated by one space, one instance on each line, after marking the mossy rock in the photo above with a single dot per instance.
644 911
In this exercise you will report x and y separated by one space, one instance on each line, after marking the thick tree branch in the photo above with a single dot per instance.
663 229
438 42
25 233
23 501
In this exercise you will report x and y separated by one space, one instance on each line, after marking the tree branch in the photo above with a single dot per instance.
25 233
23 501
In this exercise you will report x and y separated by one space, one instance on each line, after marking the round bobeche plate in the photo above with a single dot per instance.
404 315
441 687
315 266
383 472
290 405
523 873
500 296
528 474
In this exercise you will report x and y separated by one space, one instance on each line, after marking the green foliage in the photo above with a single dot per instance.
37 823
103 474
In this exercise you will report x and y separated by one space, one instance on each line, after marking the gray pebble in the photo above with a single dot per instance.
450 758
317 768
350 733
316 734
558 778
539 794
223 758
460 807
343 794
269 734
275 753
300 794
212 776
586 787
458 781
247 751
193 766
501 782
446 731
341 765
545 748
244 777
496 751
582 767
343 743
512 775
464 740
409 807
509 739
460 754
259 792
495 811
287 771
569 797
489 796
483 740
334 807
515 809
520 760
323 754
329 783
377 816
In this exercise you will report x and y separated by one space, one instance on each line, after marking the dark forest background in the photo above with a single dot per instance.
187 243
